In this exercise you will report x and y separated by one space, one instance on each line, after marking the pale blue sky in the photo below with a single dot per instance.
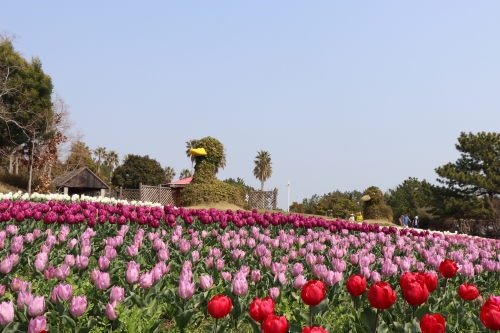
343 94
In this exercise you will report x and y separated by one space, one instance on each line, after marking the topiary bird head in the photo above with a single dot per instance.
209 153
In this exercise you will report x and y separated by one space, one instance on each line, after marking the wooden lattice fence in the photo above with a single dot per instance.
163 195
263 199
155 194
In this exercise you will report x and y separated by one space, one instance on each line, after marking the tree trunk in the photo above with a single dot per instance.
11 164
17 165
262 185
30 174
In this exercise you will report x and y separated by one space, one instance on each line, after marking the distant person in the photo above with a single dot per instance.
359 217
351 218
401 220
415 222
406 220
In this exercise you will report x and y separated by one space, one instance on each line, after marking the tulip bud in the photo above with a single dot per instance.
110 311
6 313
36 306
78 306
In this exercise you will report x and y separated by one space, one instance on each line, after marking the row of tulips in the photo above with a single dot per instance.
184 263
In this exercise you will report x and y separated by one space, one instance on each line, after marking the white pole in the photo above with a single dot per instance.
288 206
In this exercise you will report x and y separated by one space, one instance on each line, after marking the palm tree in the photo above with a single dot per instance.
169 174
100 153
190 145
263 169
112 161
185 173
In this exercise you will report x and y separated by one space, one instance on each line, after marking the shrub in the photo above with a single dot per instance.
375 208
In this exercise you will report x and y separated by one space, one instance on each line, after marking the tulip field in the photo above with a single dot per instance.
80 264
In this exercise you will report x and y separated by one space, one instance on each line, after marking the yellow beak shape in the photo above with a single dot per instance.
198 152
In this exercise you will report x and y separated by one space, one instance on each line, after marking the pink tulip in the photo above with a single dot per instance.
110 252
157 273
82 262
15 284
40 264
163 255
299 281
186 289
6 266
102 281
63 291
274 293
255 276
78 306
93 276
36 306
37 324
110 311
17 244
24 298
226 276
132 250
117 294
69 260
146 280
6 313
133 271
2 290
72 243
103 263
206 282
240 285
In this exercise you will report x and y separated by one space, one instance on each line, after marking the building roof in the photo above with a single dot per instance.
80 178
181 182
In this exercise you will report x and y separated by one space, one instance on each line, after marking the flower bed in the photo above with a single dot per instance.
72 265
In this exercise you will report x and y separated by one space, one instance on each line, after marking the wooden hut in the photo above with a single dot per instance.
80 181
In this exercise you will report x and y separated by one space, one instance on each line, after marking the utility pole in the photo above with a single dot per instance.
288 206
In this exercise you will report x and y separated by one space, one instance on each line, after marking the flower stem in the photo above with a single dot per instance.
310 316
413 312
445 283
376 321
215 327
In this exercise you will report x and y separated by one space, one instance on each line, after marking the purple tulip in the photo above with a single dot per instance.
63 291
69 260
15 284
117 294
299 281
333 277
206 282
110 311
240 284
297 269
24 298
132 250
274 293
6 313
37 324
163 255
78 306
103 263
82 262
146 280
186 289
133 271
6 266
36 306
102 281
219 264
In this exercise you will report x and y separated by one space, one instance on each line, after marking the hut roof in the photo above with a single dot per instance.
80 178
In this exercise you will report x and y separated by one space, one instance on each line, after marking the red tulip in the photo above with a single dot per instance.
416 292
431 281
448 268
468 292
313 292
381 295
356 285
405 279
490 313
219 306
275 324
315 329
432 323
260 309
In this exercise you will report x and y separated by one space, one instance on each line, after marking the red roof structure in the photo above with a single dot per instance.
181 182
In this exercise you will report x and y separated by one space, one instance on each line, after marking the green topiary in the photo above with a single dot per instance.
205 188
375 208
